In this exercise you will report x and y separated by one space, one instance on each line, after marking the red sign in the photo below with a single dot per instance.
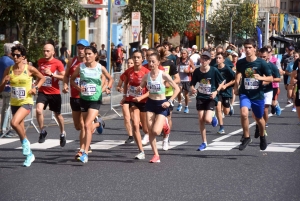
95 1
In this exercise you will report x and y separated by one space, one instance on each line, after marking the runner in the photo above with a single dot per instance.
185 68
253 71
210 83
125 107
286 59
225 94
157 105
268 90
92 75
21 100
295 83
136 100
49 93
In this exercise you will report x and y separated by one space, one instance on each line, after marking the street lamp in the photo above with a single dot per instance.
231 14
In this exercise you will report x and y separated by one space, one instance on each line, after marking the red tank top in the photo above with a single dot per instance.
75 63
134 80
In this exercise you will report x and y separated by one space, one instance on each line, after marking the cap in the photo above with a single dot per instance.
194 47
229 51
206 53
120 45
234 53
291 48
83 42
145 46
16 42
112 44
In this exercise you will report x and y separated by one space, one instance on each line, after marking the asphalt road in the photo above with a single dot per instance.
220 173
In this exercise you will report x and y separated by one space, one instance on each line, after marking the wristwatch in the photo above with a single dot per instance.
171 102
51 75
36 88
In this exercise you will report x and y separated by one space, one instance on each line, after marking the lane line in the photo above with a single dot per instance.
49 143
106 144
6 141
172 144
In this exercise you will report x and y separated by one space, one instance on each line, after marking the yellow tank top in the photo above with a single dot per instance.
20 86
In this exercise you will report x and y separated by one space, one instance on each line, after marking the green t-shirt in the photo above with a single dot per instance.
275 74
228 74
208 82
227 62
251 87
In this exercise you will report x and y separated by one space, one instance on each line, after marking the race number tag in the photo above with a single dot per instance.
77 81
48 82
132 91
18 92
251 83
154 86
204 88
89 90
181 68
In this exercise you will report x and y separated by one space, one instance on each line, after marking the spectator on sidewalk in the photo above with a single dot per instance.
103 55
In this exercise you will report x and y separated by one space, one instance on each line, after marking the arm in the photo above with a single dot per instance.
72 80
109 78
194 82
238 77
119 86
66 78
41 79
292 83
168 78
5 79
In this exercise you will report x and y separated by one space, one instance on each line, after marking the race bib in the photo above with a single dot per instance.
77 81
251 83
89 90
204 88
18 92
48 82
154 86
132 91
181 68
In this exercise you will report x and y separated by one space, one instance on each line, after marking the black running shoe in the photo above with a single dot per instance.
90 150
63 140
256 134
242 138
263 143
42 137
273 109
129 140
245 143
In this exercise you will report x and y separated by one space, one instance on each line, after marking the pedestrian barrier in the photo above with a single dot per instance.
115 97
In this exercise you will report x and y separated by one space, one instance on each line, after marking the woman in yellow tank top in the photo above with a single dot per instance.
20 77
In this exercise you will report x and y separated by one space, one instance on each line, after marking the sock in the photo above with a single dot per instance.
186 106
24 141
179 104
166 138
205 143
131 137
221 127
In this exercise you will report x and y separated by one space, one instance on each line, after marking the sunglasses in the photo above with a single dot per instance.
18 55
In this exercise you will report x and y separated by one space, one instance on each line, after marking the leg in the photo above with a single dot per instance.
88 118
266 113
135 116
219 113
187 98
143 120
60 121
157 122
245 121
127 122
39 115
17 122
79 126
202 121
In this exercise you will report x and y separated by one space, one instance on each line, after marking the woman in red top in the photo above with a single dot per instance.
136 100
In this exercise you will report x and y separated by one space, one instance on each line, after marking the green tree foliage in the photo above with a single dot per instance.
170 16
36 20
243 20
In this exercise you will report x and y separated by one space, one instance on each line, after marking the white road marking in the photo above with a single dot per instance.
106 144
226 146
282 147
49 143
6 141
171 145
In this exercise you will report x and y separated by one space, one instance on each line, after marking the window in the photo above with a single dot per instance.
92 29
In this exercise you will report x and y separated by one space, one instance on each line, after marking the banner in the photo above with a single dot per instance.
281 21
259 37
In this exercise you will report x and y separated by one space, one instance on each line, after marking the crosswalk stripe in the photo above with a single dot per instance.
49 143
225 146
282 147
6 141
171 145
106 144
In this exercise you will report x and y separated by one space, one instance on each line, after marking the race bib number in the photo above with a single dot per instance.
251 83
77 81
204 88
18 92
132 91
154 86
181 68
48 82
89 90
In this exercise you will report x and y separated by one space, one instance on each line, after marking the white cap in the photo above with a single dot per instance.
234 53
145 46
16 42
194 47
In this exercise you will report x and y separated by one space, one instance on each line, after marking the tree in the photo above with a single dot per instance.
170 16
243 20
36 20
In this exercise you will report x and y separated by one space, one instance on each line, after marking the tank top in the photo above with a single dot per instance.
20 86
74 92
184 77
90 80
156 86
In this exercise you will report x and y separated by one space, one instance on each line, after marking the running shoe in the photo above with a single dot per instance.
155 159
231 111
63 139
179 107
273 109
266 125
166 127
256 134
79 154
95 121
83 158
186 109
29 159
214 121
145 139
101 126
129 140
265 133
26 147
242 138
263 143
140 155
42 137
223 115
202 147
221 131
90 150
165 144
294 109
11 134
289 101
245 143
277 110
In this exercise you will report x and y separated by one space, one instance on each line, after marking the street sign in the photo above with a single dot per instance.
135 24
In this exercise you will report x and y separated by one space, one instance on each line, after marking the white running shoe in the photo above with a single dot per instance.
165 145
140 155
145 139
